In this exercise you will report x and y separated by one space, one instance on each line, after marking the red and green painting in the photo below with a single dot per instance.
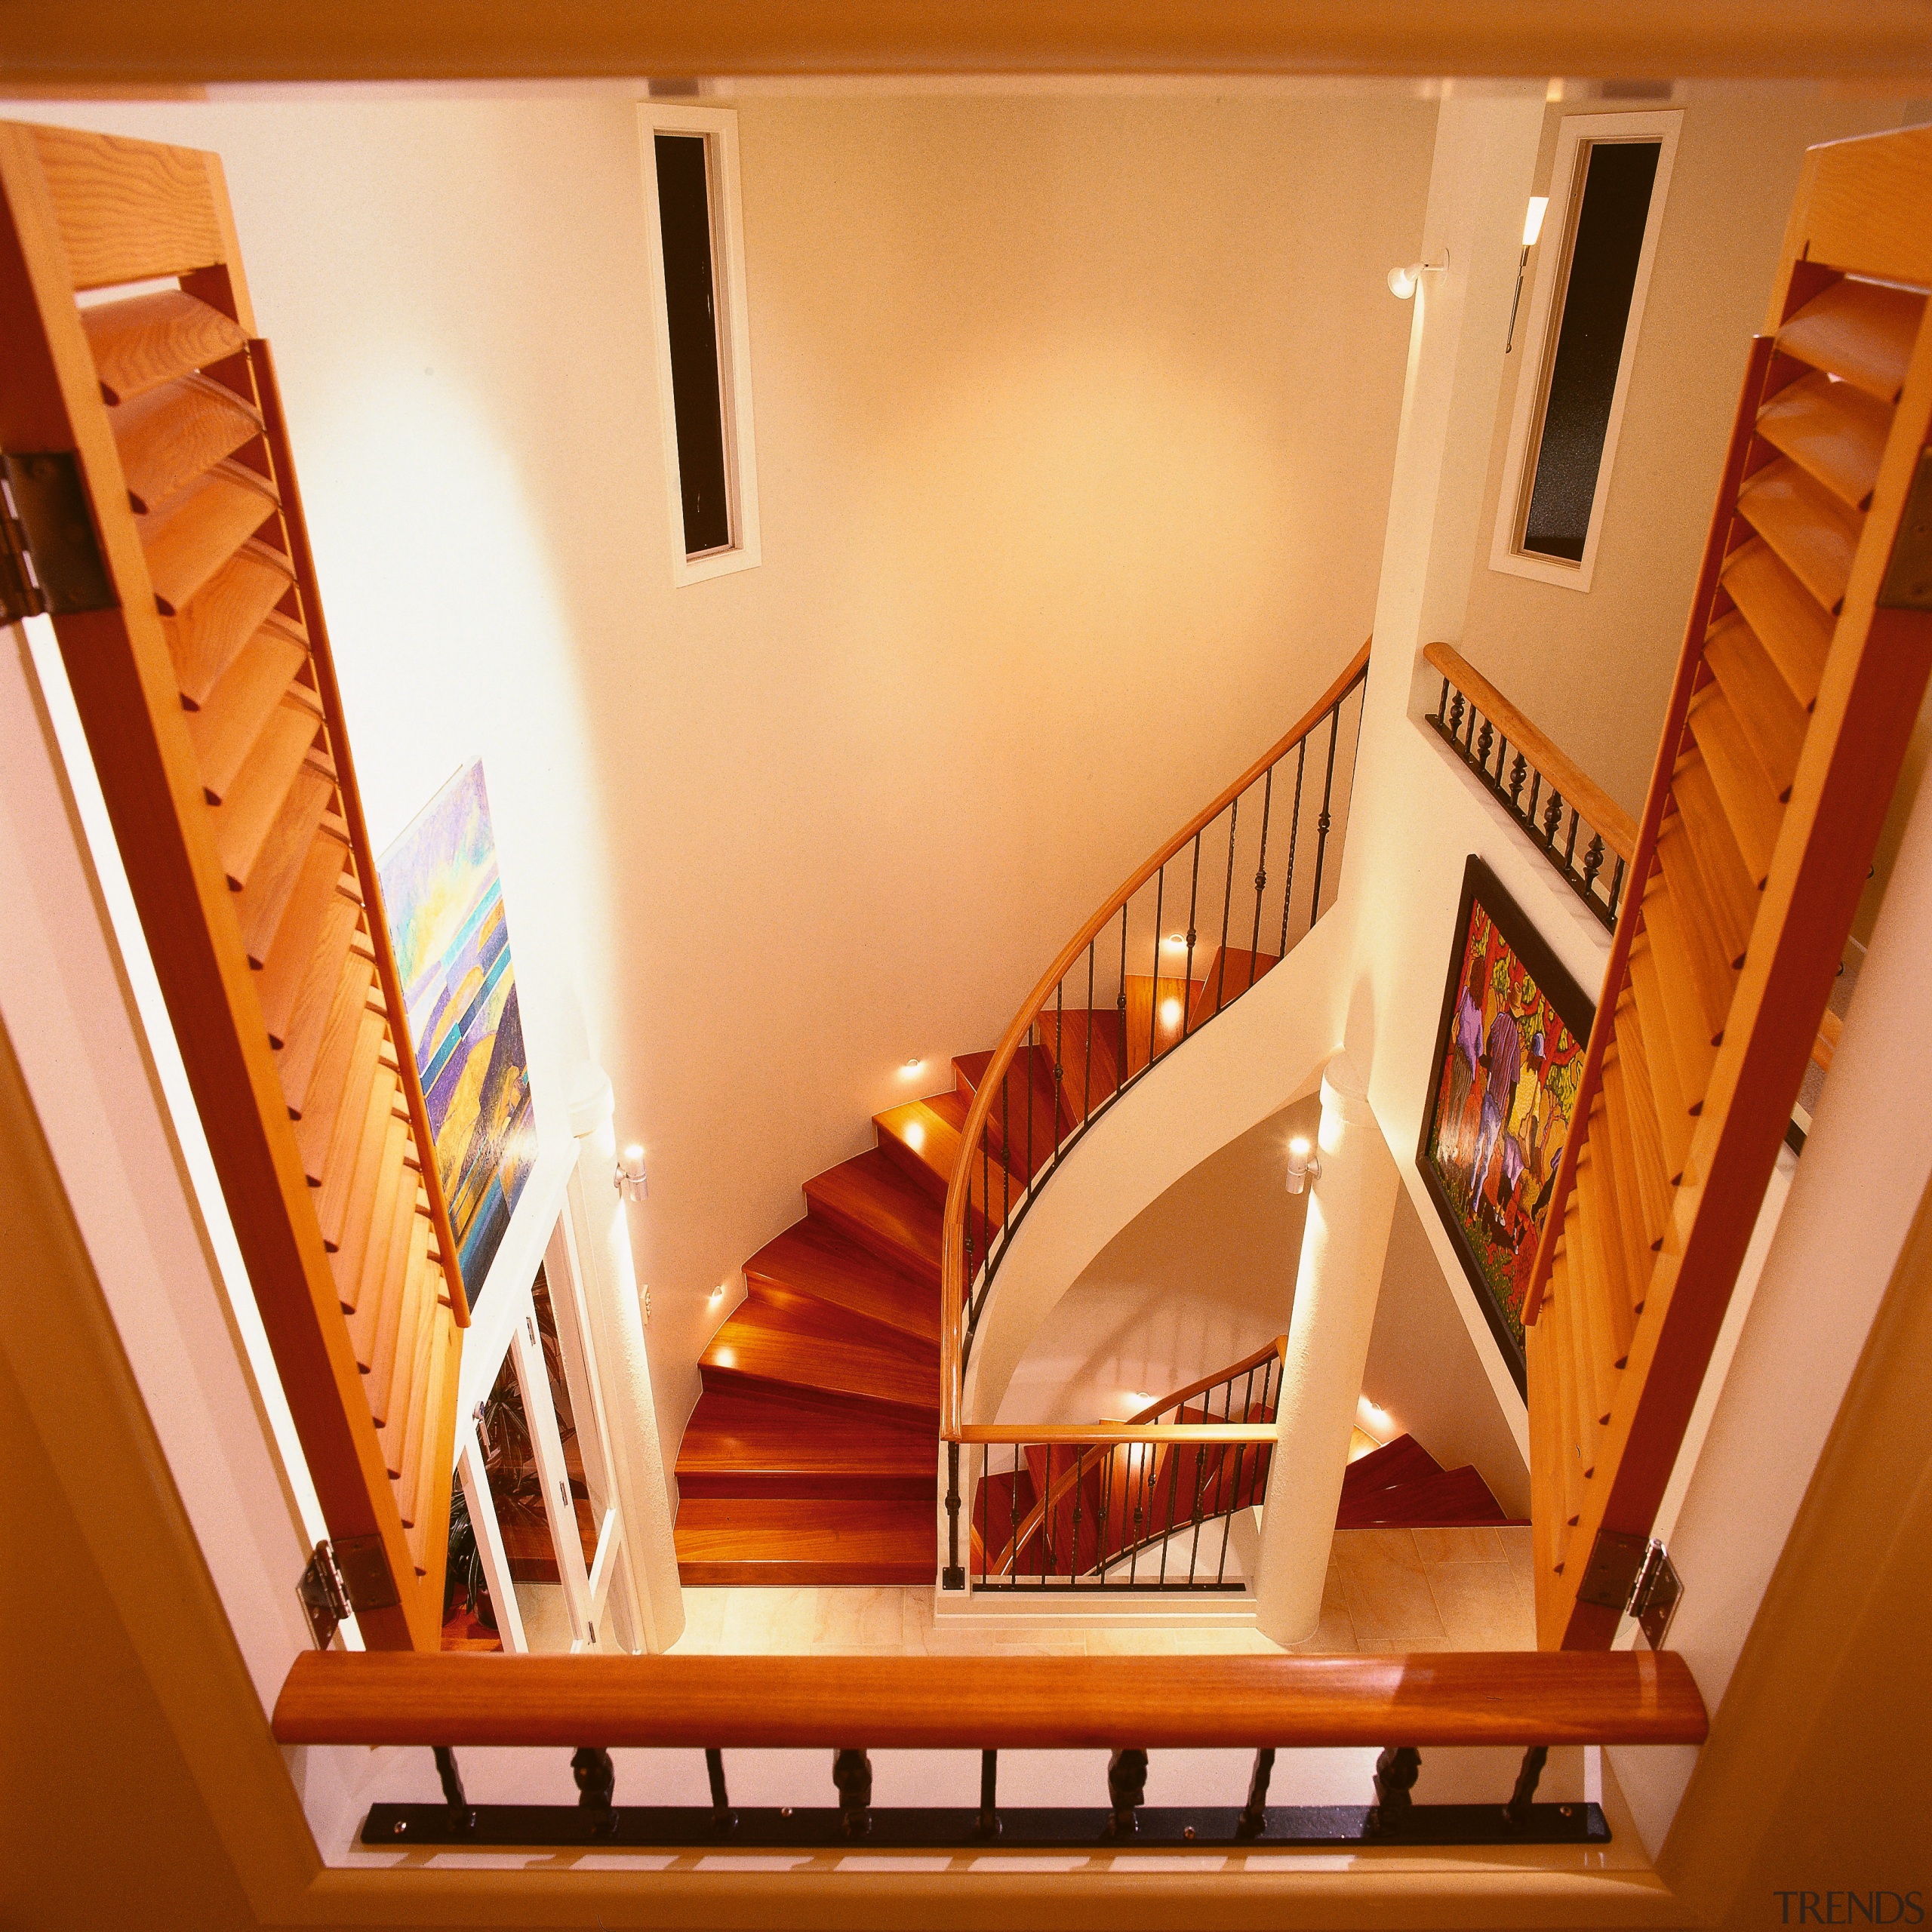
1508 1059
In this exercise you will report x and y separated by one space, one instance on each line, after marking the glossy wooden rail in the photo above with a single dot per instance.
952 1254
1600 810
992 1702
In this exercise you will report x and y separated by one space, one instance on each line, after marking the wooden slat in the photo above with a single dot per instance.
360 1193
197 530
207 636
332 1116
1567 1470
145 341
1751 807
408 1465
243 820
172 435
129 210
1731 896
292 964
1813 533
1715 958
1581 1432
1698 965
1793 628
1605 1301
436 1459
1647 1054
1639 1164
1834 430
397 1319
1624 1274
1545 1454
1772 719
260 905
223 731
1862 331
1657 955
1639 1125
378 1270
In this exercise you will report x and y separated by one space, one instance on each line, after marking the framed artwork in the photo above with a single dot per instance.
1508 1060
445 902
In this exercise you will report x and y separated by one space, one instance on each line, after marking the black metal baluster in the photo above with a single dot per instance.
1032 1064
1187 972
1227 905
1120 1005
1592 863
1616 891
1253 1820
1553 817
986 1193
1570 844
1047 1516
988 1825
1140 1490
1059 1057
1536 791
1396 1771
596 1785
1013 1534
1442 702
1517 1811
1073 1555
954 1578
1106 1507
1327 795
1173 1488
1260 875
1200 1490
985 1506
1294 839
462 1814
1005 1155
1087 1092
1456 718
1126 1788
723 1817
1519 772
852 1773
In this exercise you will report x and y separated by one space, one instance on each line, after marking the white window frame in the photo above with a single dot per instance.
719 127
1578 134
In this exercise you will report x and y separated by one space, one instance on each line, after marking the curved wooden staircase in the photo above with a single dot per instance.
812 1453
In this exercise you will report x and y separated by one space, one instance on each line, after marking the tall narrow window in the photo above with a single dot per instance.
1606 193
703 346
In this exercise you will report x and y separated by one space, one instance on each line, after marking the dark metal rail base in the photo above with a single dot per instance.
1204 1828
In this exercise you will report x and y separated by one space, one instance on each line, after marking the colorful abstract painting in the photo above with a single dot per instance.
1508 1059
444 903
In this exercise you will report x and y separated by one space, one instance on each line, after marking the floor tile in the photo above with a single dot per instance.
1386 1590
1484 1606
1477 1544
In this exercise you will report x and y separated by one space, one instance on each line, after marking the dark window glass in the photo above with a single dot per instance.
684 213
1583 377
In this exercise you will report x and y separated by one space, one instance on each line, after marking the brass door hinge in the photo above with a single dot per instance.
1634 1575
50 563
342 1577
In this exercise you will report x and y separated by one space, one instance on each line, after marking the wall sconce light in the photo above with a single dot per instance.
1304 1165
1532 228
632 1182
1403 283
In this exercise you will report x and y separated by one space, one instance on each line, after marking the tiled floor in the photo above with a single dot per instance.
1387 1590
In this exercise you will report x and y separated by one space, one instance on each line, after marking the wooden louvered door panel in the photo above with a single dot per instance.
1803 669
211 706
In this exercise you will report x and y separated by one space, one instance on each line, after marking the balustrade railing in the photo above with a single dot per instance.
849 1705
1578 827
1149 1504
1189 934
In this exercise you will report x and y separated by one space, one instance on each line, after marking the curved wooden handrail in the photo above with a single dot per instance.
1618 828
952 1263
1277 1347
991 1702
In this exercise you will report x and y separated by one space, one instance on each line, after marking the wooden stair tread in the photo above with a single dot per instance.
1403 1460
1087 1045
1023 1122
869 1200
794 1540
812 1262
747 1445
825 1350
1861 330
922 1142
1445 1500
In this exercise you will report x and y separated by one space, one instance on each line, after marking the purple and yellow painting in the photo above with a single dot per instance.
1509 1061
445 902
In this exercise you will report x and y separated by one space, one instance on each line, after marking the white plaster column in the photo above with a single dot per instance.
1344 1241
603 1243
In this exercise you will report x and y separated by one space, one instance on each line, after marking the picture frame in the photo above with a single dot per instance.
1503 1079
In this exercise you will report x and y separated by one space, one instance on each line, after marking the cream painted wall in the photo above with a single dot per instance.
1593 668
1200 1278
1074 421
